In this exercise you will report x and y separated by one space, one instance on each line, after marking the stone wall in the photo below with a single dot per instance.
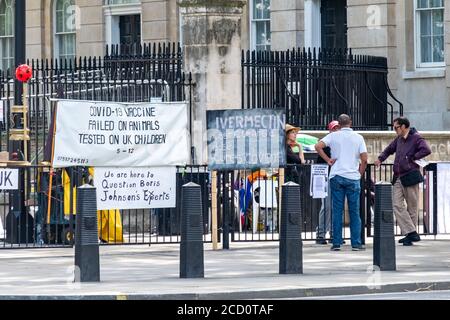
376 142
155 20
159 23
372 31
382 28
91 35
425 92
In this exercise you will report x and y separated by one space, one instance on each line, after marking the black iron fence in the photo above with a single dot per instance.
315 87
250 204
49 220
427 215
248 209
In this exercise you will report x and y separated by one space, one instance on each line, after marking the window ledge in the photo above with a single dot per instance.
122 9
424 73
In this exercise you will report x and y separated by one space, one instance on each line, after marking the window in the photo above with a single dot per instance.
122 21
130 29
260 24
65 29
6 34
430 33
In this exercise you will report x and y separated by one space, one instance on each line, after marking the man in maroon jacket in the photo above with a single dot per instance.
408 147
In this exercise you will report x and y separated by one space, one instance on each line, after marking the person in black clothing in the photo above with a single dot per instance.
324 225
332 127
293 157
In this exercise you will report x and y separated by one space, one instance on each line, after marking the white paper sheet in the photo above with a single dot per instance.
2 231
319 181
423 163
443 198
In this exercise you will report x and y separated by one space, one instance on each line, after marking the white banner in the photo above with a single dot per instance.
9 179
135 188
110 134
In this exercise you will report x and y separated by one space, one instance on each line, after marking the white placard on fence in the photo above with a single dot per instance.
319 181
2 231
110 134
135 188
9 179
2 112
443 198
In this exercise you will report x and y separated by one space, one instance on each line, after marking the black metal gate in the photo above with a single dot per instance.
426 223
249 202
315 87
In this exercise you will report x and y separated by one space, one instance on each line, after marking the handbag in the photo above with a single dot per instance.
411 179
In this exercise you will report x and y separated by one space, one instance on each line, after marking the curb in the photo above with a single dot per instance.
252 295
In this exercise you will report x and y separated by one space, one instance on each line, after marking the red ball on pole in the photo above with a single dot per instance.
24 73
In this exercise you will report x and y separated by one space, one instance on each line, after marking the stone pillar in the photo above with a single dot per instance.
90 36
372 31
155 20
211 33
47 32
287 24
371 28
313 26
34 14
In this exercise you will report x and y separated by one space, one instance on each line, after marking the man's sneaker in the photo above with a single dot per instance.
335 248
414 236
411 237
403 239
343 241
358 248
321 241
407 243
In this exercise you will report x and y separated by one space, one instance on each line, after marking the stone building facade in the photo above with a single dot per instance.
410 33
413 34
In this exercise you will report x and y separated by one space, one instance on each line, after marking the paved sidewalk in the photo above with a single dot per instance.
247 271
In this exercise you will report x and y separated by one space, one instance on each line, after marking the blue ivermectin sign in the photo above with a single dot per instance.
246 139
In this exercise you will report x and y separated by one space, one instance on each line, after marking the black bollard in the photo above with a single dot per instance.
291 246
191 248
384 241
87 259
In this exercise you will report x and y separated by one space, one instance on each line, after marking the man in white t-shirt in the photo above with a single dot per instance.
348 163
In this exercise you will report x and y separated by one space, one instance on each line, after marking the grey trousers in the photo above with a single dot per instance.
406 215
324 225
